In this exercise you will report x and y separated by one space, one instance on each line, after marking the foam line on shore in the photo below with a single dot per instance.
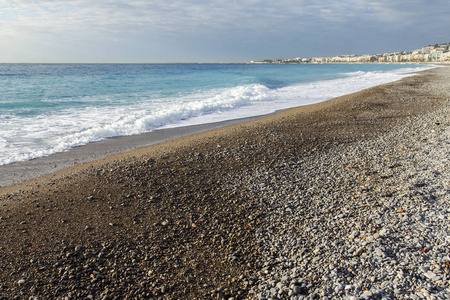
22 171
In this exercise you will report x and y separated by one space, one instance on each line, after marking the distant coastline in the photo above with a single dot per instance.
438 53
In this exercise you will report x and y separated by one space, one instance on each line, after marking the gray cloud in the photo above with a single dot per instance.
140 23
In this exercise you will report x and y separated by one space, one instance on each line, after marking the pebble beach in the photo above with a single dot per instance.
345 199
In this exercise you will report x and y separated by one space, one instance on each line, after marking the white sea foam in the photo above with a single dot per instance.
67 129
303 94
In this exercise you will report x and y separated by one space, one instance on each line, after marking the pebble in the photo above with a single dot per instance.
430 275
380 230
379 252
366 294
297 290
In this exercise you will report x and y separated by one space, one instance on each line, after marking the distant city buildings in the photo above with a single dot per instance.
439 53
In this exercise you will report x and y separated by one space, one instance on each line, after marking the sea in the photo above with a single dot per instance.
50 108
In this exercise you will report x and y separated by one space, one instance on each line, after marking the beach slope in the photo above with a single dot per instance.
344 198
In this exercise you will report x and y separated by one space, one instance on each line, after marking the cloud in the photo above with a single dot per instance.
199 15
135 23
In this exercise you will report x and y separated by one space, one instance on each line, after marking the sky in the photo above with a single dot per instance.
158 31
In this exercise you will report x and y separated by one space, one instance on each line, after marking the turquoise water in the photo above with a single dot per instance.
48 108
